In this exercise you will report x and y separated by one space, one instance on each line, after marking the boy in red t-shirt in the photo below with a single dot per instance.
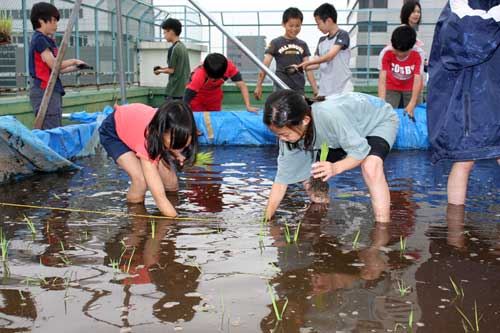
400 77
204 90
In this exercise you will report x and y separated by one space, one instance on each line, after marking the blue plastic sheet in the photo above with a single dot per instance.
412 135
233 128
85 117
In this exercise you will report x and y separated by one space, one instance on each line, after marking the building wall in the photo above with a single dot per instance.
383 23
257 45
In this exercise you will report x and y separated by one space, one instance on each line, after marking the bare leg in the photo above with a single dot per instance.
168 176
457 182
132 165
373 173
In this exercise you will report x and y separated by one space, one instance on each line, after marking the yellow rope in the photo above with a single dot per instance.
104 213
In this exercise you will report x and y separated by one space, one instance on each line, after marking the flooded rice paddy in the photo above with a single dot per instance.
430 270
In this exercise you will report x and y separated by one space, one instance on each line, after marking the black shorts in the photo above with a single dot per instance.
379 147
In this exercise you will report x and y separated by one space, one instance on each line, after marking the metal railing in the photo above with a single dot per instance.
94 37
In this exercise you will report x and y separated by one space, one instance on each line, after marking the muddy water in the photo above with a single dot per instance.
84 272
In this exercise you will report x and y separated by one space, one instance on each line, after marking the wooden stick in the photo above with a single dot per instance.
40 117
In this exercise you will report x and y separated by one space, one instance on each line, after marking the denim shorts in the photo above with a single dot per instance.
114 146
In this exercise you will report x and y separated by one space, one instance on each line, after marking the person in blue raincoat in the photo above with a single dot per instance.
463 105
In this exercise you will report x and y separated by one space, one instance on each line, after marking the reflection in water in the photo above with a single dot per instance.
212 276
155 261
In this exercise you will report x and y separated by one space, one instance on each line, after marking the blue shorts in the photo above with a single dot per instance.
114 146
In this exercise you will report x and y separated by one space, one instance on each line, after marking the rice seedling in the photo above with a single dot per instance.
287 234
458 292
204 159
21 295
465 320
130 259
30 224
402 245
4 245
402 288
277 313
408 328
355 241
56 196
323 155
296 233
115 265
153 228
64 257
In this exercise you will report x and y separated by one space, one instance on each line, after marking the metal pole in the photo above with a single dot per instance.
97 55
368 48
77 46
119 30
241 46
54 75
113 46
25 44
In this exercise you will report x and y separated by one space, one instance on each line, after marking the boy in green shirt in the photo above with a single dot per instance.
178 67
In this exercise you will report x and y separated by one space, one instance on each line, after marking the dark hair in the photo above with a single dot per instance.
215 65
403 38
292 13
43 11
326 11
178 118
172 24
407 9
287 108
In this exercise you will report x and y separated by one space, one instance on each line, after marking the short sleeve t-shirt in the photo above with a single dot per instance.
131 121
202 84
289 52
178 59
335 75
39 70
401 73
341 121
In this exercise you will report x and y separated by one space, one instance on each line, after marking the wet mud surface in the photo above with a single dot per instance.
220 269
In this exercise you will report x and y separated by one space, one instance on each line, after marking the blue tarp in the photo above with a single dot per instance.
233 128
23 152
85 117
412 135
244 128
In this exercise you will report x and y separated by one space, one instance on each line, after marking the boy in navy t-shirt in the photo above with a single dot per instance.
288 50
42 56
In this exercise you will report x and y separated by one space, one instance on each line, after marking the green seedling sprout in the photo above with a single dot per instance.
323 152
4 245
466 320
277 313
402 288
130 260
296 234
402 245
458 292
204 159
115 265
287 234
153 228
355 241
410 323
64 257
30 224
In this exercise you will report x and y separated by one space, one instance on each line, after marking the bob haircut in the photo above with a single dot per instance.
177 118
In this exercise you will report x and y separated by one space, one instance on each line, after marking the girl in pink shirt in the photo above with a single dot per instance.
147 144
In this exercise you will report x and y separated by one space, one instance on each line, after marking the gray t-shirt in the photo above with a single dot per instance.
289 52
342 121
335 75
